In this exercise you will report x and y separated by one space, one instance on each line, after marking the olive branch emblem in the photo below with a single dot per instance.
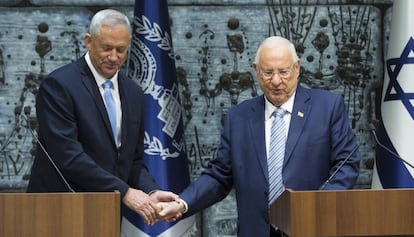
154 33
155 147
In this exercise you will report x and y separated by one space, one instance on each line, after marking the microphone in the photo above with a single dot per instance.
372 127
338 168
47 154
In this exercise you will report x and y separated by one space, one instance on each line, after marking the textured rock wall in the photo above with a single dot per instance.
341 45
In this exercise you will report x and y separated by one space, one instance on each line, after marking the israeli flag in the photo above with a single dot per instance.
396 128
151 63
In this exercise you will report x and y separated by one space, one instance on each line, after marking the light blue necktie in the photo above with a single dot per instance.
276 155
110 106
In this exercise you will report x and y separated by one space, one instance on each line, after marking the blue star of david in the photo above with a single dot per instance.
393 75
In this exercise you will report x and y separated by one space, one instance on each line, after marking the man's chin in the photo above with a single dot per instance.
108 73
278 99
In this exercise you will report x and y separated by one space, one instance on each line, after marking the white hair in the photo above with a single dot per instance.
108 17
276 41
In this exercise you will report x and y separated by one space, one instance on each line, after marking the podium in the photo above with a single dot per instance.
358 212
60 214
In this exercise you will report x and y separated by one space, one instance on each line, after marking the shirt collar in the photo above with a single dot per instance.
287 106
98 78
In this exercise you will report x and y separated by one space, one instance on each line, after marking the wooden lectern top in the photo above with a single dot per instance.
358 212
60 214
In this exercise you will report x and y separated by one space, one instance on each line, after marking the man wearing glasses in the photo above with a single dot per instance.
314 143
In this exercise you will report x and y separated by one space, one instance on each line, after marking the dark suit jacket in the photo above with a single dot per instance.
75 130
319 139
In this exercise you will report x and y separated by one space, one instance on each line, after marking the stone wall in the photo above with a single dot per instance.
341 45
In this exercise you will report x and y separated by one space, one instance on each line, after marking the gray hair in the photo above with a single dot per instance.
276 41
108 17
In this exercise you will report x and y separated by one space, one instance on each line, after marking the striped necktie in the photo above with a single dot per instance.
276 155
110 106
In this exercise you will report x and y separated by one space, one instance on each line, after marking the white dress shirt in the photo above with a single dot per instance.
115 94
269 109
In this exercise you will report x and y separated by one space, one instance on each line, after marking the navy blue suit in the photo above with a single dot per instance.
319 139
75 130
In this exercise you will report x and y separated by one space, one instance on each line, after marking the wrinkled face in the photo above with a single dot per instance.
277 73
108 50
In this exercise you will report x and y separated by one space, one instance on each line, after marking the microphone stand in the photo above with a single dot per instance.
386 148
338 168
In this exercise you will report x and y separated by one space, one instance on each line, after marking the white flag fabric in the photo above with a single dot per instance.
396 128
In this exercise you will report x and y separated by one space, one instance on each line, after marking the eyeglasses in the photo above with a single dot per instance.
267 75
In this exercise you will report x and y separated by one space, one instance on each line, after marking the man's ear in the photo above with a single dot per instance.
87 39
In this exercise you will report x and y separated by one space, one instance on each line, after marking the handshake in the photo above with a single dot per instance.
157 205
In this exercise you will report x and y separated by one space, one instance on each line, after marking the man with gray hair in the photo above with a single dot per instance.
91 124
290 137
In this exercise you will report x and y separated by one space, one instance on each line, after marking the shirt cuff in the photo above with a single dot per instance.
185 205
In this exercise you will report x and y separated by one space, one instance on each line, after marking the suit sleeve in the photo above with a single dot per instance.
216 182
343 145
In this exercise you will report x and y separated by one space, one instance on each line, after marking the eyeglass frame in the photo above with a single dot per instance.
270 77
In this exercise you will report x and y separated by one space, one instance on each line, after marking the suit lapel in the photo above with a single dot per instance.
301 109
89 82
257 129
124 105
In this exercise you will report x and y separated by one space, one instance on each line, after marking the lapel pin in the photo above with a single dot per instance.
300 114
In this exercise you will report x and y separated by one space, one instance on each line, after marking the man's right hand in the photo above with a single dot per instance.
140 202
171 211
